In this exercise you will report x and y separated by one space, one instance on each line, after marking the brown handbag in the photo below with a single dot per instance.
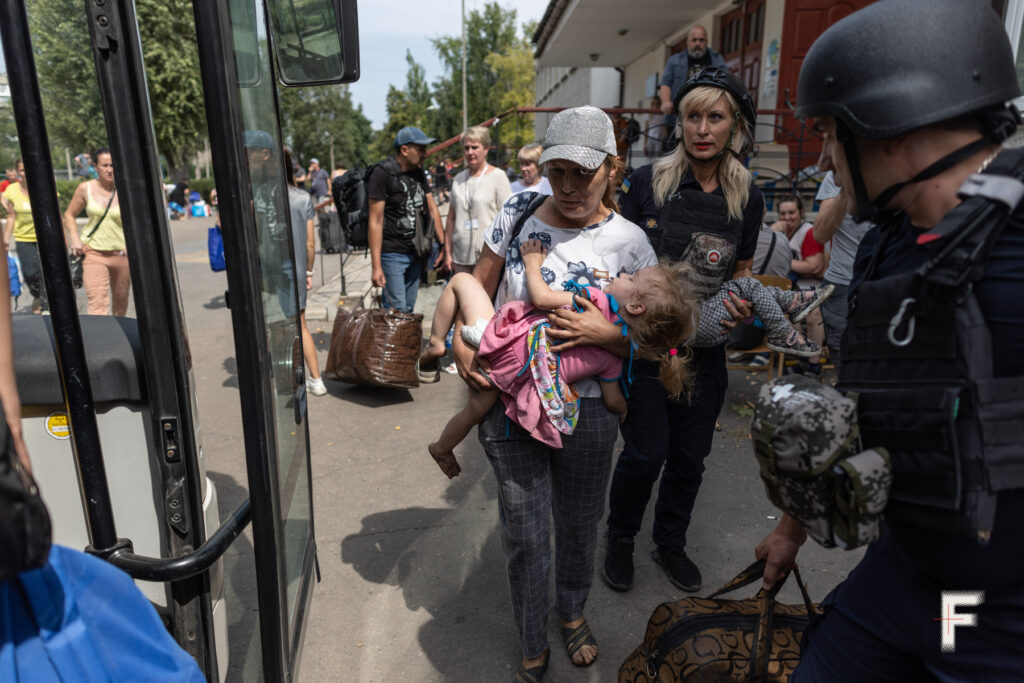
709 639
375 347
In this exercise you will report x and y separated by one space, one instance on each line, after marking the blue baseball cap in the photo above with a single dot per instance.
411 135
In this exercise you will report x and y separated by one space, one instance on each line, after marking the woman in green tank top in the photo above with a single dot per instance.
105 272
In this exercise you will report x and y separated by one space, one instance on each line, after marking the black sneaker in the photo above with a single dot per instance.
618 563
682 572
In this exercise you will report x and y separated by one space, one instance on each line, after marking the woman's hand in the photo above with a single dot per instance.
581 329
469 364
76 246
739 309
309 282
779 549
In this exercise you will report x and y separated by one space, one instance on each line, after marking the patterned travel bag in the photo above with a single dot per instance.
709 639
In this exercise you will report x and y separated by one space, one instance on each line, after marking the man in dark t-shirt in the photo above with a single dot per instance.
400 207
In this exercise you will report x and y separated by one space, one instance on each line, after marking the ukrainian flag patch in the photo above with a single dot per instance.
625 186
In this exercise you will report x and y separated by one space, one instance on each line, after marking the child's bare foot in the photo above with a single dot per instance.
445 460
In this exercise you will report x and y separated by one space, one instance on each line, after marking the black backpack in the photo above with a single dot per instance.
349 194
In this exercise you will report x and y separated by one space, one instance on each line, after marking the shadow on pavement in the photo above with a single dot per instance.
369 397
215 303
231 368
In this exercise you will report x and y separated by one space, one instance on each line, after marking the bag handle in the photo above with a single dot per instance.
754 573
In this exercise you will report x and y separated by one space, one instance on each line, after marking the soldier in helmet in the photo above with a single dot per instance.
934 347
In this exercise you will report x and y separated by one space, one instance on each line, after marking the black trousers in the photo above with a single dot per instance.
32 271
674 436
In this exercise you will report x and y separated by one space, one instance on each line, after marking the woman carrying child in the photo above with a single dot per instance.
587 243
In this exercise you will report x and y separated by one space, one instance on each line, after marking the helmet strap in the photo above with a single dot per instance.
866 208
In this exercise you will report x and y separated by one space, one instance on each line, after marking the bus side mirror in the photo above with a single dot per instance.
315 42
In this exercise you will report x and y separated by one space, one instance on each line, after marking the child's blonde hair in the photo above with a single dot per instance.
670 319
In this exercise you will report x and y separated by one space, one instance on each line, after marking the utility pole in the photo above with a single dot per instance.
465 111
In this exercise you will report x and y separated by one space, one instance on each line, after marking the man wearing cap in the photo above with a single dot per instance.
401 207
934 345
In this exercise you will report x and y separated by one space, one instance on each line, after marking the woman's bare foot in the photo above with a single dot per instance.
445 460
584 654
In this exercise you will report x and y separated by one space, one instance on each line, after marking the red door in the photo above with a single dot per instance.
739 42
803 22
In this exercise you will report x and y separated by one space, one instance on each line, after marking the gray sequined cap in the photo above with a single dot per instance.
582 135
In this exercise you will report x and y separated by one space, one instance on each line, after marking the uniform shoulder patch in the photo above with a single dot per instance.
625 186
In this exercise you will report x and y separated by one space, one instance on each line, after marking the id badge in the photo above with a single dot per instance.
471 224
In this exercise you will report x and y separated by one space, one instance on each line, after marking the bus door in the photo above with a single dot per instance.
246 47
242 51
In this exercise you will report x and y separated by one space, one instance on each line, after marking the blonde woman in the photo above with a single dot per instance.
105 273
698 205
532 180
477 195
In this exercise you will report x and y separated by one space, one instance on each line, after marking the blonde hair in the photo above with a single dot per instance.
732 176
667 324
530 154
477 134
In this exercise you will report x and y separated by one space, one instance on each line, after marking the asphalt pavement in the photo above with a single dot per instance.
413 580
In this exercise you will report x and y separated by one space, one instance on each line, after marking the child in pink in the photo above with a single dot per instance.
533 378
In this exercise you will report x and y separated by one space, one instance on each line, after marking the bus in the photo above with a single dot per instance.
109 404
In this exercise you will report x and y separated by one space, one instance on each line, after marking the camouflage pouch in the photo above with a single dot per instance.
862 485
807 445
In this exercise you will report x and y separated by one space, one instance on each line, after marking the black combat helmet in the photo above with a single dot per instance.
897 65
723 79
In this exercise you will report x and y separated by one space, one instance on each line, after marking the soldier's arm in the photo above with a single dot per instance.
779 549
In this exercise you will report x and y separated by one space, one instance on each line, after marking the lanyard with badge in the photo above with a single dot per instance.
471 223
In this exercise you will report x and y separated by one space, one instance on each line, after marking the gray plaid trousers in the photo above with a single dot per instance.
536 482
769 303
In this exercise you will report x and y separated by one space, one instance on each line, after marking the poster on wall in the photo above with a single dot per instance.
770 86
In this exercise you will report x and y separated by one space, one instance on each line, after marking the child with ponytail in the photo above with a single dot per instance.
533 378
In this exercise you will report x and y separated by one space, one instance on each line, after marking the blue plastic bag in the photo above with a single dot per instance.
215 245
13 276
79 618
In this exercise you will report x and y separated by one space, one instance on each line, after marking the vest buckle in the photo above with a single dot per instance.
897 322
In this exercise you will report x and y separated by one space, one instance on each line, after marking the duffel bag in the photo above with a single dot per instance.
375 347
709 639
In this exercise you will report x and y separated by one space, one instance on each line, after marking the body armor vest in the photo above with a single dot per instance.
918 354
695 228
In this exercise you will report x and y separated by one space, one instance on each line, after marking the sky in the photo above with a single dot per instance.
388 27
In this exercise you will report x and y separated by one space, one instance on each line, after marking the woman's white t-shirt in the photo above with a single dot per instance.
543 187
476 201
591 256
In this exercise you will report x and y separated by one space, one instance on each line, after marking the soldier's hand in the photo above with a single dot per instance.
779 549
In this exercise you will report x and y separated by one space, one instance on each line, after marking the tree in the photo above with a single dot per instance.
8 138
67 78
317 120
507 79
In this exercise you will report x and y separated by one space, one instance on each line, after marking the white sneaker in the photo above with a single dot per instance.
315 386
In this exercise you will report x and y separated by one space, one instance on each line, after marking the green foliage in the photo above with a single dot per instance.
67 77
9 151
316 120
499 73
